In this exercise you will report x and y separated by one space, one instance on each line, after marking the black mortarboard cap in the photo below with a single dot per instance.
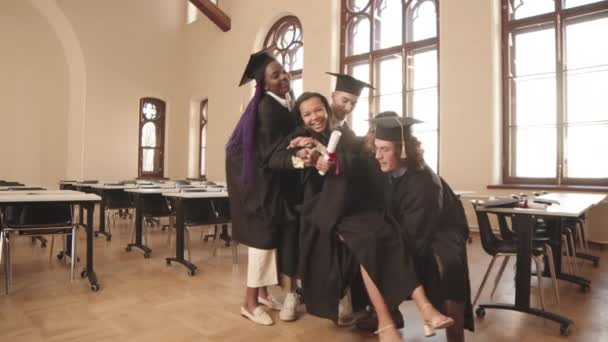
349 84
392 127
256 66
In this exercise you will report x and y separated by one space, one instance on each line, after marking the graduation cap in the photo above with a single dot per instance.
349 84
391 127
256 66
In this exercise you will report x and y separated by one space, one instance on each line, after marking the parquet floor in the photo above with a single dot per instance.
144 300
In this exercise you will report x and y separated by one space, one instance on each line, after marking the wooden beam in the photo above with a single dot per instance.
214 13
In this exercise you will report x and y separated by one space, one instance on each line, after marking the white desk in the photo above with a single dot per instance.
39 192
197 200
82 199
575 198
153 191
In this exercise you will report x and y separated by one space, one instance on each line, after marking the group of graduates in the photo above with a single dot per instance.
368 225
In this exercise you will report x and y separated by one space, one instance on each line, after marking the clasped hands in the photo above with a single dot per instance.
308 151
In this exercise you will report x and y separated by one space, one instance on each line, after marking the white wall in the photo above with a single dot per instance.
34 97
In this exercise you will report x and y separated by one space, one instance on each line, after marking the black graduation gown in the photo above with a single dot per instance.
259 212
349 204
434 225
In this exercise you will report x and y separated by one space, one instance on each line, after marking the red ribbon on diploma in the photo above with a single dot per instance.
332 158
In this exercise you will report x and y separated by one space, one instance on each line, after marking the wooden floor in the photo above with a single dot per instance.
144 300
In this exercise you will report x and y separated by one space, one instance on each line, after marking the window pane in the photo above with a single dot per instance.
358 36
149 110
297 86
202 170
586 95
389 84
388 23
533 52
423 105
294 60
151 160
584 48
357 5
574 3
535 151
527 8
148 135
422 69
420 20
534 101
585 151
428 139
360 115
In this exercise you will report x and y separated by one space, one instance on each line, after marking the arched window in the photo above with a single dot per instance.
555 76
285 41
203 137
151 137
393 45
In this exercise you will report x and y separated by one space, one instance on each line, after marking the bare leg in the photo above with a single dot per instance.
251 298
263 292
433 319
455 333
386 326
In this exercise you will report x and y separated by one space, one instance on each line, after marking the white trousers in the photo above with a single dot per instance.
262 267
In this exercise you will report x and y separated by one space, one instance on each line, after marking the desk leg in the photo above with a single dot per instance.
89 272
180 228
525 225
102 219
139 229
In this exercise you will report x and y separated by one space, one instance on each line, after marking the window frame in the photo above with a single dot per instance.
203 122
159 122
270 42
374 55
558 19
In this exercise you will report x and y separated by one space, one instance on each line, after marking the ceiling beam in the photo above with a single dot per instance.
213 12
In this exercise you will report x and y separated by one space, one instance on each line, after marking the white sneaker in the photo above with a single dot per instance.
290 304
345 311
259 316
271 303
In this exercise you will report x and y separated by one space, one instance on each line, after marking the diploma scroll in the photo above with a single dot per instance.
334 139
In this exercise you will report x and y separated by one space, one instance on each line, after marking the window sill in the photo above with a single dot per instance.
549 187
152 178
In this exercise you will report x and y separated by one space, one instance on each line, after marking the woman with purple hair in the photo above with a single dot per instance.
262 200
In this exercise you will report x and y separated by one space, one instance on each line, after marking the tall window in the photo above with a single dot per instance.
151 137
555 77
285 40
203 137
399 40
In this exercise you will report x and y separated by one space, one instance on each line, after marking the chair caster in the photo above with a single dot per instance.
60 255
585 288
95 234
43 245
108 238
480 312
128 249
564 329
168 262
95 287
192 273
83 274
147 255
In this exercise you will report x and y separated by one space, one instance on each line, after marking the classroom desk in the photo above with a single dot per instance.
139 196
523 220
103 190
181 199
572 200
84 200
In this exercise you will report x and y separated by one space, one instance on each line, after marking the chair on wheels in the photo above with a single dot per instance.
36 219
115 202
508 248
154 207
